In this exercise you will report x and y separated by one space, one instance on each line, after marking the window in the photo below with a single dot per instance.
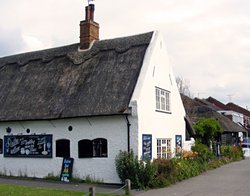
63 148
85 149
162 100
1 146
100 147
93 148
164 148
188 137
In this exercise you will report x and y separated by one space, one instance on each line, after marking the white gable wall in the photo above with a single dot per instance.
157 72
113 128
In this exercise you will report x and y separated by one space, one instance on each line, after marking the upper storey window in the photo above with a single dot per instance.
162 100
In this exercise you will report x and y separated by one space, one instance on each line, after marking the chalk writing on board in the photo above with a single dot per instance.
146 146
28 146
67 167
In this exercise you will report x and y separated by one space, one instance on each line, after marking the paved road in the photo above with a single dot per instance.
229 180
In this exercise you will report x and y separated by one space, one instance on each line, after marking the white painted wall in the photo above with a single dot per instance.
236 117
113 128
157 72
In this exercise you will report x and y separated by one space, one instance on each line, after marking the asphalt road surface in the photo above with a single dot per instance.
229 180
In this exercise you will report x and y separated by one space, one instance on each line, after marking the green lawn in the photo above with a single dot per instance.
14 190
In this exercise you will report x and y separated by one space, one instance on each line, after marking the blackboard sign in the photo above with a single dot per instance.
67 167
146 146
38 146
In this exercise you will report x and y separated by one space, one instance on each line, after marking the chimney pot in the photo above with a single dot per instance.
87 13
92 10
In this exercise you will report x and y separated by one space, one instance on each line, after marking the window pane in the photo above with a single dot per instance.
157 93
159 150
169 142
63 148
167 102
1 146
158 106
85 148
163 104
100 147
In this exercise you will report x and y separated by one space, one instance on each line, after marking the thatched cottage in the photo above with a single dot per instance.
197 109
88 101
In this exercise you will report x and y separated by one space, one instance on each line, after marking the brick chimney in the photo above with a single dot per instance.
89 29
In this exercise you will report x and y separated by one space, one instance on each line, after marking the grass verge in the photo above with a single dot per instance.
13 190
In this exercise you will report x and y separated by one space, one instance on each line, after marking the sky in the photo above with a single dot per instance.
208 41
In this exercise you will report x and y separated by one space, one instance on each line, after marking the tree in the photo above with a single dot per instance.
207 129
183 86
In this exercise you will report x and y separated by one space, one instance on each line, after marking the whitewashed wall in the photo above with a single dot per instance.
113 128
157 72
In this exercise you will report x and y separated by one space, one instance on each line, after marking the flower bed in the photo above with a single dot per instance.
163 172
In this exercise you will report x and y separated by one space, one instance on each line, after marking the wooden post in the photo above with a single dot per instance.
92 191
128 187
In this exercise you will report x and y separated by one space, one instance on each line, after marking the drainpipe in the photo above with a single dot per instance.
128 132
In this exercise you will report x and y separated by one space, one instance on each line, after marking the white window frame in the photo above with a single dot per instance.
164 148
162 98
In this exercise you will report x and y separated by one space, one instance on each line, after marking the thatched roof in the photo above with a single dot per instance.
219 105
229 106
197 109
64 82
236 108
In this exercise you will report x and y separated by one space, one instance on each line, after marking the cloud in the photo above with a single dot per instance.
32 43
10 41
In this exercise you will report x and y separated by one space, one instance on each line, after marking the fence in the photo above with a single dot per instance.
127 187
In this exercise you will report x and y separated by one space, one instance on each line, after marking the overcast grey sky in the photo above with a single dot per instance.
208 40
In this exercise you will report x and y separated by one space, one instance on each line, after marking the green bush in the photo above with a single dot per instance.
166 172
127 167
204 153
140 173
147 174
234 153
207 129
188 168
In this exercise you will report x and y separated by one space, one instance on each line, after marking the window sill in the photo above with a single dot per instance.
166 112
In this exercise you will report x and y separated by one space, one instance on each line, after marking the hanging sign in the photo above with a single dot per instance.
178 141
146 146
